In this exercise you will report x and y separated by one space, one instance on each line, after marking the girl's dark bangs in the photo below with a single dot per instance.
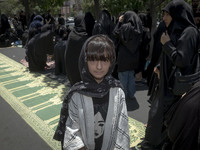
97 52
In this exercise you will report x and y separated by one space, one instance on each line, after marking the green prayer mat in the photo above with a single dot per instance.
38 99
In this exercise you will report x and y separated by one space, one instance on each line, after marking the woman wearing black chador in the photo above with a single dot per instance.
178 49
75 41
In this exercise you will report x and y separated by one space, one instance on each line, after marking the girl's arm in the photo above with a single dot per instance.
122 130
73 137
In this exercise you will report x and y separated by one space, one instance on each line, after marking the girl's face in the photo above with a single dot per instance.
98 69
167 18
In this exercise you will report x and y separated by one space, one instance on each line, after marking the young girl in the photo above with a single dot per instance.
94 114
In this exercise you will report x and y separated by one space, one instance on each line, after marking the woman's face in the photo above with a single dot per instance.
167 18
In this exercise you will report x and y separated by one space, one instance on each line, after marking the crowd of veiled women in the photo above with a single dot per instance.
67 50
13 30
173 121
43 37
7 34
131 34
166 128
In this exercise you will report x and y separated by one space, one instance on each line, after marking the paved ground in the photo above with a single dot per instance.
16 134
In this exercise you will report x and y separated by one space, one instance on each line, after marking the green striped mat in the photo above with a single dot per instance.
38 99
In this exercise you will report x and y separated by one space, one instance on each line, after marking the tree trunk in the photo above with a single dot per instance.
97 9
154 15
27 11
25 3
155 6
154 24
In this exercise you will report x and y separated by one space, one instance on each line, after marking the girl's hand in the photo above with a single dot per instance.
164 38
83 148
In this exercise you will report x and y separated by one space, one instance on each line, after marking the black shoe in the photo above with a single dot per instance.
138 146
144 145
135 148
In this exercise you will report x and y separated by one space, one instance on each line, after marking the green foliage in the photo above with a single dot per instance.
88 6
115 7
118 6
52 5
11 7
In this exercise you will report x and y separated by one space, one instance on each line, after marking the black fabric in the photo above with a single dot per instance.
149 21
61 21
37 22
22 19
74 44
59 53
24 38
49 18
79 24
129 33
104 25
89 23
88 86
5 26
181 12
100 106
182 83
156 53
183 123
144 48
38 48
178 51
5 36
31 18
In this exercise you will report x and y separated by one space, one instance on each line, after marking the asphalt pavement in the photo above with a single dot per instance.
16 134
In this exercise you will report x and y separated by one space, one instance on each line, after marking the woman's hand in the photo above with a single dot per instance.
183 95
157 71
164 38
121 18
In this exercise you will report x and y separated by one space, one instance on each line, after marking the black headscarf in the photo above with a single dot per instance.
79 23
89 23
182 16
143 18
104 20
5 26
131 25
37 22
131 29
88 86
104 25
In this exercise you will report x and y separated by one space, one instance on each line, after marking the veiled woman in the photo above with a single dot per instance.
179 46
104 25
38 47
75 41
4 31
129 33
5 26
89 23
